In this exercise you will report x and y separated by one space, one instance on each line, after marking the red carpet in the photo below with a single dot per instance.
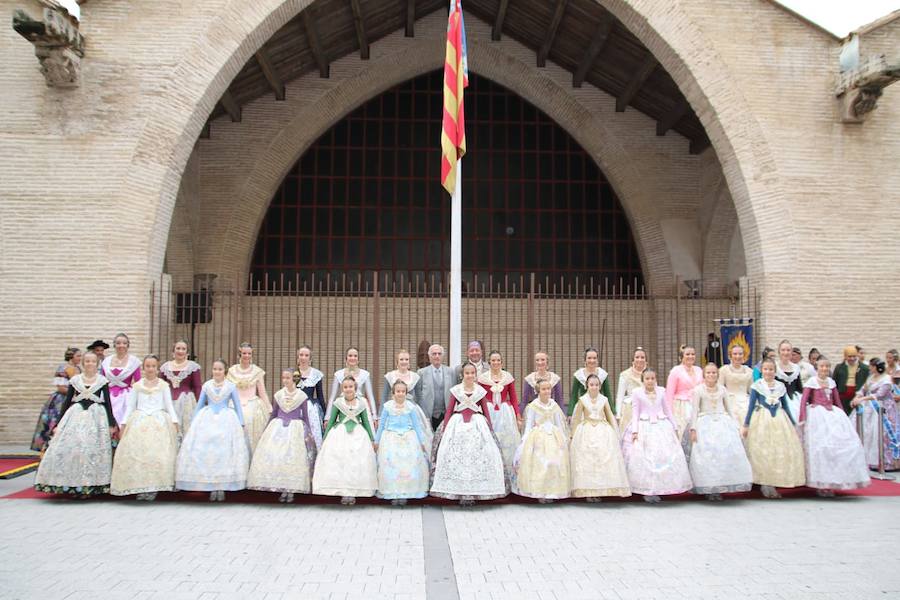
878 488
14 466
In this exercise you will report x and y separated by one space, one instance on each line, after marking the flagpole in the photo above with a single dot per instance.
456 270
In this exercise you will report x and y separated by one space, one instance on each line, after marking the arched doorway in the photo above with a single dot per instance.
365 197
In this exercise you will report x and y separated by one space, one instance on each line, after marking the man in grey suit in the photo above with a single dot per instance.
433 392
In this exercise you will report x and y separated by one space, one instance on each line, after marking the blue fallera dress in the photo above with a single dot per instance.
214 454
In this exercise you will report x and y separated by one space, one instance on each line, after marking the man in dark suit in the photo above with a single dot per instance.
433 392
850 376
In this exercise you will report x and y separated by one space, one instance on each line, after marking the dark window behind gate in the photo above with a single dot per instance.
365 197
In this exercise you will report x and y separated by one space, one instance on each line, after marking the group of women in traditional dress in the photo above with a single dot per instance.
710 431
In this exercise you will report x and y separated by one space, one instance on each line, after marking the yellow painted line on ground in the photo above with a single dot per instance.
17 471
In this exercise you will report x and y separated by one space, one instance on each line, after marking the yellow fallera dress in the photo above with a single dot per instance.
629 380
542 460
737 385
254 400
145 459
598 467
773 446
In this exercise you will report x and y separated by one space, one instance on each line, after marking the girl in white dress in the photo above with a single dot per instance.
655 460
835 458
542 460
145 458
78 458
469 465
598 467
346 466
718 461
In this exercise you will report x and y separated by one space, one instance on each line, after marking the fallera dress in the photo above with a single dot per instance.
346 465
145 458
579 387
790 376
835 458
78 459
468 465
629 380
530 389
312 385
679 387
598 467
254 400
718 461
402 463
542 459
412 381
656 463
503 408
880 387
737 384
51 412
364 391
186 383
214 455
773 446
286 453
120 381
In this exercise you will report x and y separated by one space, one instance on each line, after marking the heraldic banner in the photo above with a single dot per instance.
737 331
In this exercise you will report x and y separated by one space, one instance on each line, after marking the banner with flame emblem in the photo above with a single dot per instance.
737 332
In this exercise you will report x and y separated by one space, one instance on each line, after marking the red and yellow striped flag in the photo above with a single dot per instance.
456 78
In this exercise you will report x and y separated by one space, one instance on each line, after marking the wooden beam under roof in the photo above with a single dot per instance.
669 119
648 65
544 50
497 30
231 106
593 51
268 69
204 133
314 42
360 24
410 18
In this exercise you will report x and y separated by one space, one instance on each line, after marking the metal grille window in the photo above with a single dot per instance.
366 198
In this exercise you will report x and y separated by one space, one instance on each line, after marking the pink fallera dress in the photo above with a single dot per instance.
679 392
121 379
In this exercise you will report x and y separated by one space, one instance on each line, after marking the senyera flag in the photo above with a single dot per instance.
456 78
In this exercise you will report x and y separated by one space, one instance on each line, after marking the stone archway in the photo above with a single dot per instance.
612 144
668 31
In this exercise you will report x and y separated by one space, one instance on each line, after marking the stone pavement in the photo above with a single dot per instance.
791 549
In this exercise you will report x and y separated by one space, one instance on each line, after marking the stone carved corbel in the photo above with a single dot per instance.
860 88
58 44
